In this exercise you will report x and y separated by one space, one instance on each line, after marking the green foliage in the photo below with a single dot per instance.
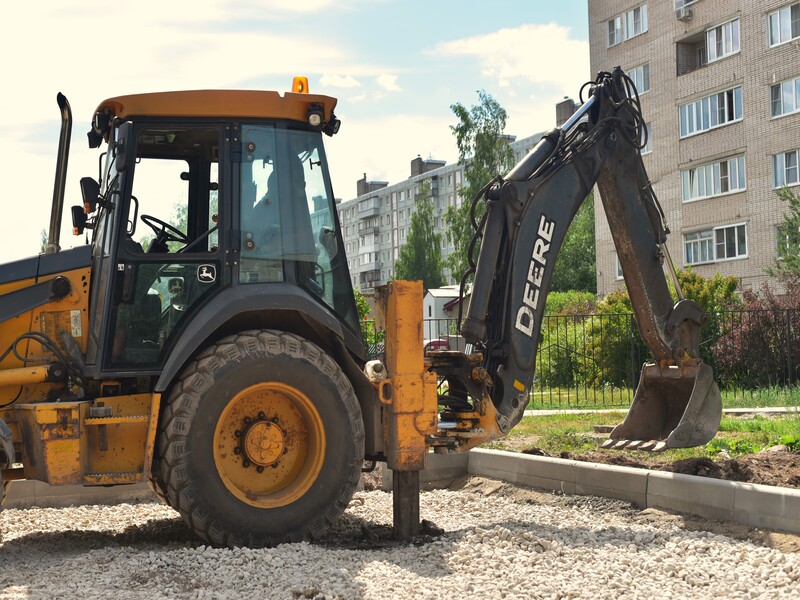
575 265
712 294
759 344
421 254
791 441
373 339
734 447
43 238
485 153
787 261
559 362
571 302
567 440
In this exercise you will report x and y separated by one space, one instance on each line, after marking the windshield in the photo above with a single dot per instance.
287 214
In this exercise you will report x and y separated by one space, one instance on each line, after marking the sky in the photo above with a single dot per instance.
396 67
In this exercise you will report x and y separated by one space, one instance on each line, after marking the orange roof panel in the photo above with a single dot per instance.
218 103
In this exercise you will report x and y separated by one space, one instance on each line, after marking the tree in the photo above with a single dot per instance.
421 254
575 265
787 263
484 152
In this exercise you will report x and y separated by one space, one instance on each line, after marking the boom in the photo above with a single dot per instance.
527 216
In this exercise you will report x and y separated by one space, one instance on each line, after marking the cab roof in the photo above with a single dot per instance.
218 103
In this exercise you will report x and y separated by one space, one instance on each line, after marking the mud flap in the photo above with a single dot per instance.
675 407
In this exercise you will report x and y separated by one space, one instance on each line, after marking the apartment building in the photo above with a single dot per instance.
375 223
719 82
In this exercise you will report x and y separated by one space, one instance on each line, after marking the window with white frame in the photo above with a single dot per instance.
785 97
641 77
783 25
635 21
647 138
627 25
617 267
615 31
713 179
712 111
722 40
682 3
720 243
785 169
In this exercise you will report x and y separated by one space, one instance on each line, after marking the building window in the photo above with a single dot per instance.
785 97
617 267
712 111
641 77
720 243
636 21
682 3
713 179
784 24
785 169
722 40
647 138
625 26
614 31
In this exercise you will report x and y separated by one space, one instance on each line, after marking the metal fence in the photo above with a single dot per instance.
595 359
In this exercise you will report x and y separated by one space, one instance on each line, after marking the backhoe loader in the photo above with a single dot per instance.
218 355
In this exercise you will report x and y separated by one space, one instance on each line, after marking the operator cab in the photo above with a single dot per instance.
194 201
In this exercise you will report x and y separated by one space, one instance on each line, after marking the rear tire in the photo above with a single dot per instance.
261 441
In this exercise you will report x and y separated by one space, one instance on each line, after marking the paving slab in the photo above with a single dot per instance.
544 472
612 481
438 467
703 496
767 506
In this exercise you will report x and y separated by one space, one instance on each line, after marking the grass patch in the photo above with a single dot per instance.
613 397
574 432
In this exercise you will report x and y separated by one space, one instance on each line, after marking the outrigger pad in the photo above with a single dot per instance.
676 407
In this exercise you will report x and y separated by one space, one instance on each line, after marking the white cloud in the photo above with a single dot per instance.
339 81
541 54
388 82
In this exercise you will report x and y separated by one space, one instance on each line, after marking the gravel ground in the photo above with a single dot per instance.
500 541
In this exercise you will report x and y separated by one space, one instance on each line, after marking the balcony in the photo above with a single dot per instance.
371 207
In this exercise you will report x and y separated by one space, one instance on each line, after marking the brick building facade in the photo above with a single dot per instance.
720 91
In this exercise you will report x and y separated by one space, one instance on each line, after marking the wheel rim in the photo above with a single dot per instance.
269 445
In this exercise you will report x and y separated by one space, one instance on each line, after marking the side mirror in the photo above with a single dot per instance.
90 191
78 219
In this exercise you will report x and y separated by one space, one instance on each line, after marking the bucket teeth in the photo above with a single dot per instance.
646 445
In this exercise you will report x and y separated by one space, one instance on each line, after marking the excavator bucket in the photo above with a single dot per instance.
674 407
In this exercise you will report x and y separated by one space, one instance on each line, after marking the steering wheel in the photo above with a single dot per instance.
164 231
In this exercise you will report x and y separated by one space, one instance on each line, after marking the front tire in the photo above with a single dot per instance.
261 441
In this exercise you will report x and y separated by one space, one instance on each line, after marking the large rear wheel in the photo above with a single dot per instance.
261 441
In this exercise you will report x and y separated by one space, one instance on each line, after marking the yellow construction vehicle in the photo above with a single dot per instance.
217 354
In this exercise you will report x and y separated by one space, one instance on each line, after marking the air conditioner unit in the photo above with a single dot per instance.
684 13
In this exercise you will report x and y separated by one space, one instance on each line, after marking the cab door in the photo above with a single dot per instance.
169 248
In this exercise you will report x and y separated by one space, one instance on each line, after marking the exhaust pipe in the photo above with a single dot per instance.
61 175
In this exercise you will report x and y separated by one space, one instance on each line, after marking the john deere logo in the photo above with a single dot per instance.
206 273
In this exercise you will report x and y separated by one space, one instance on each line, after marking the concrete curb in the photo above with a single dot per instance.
751 504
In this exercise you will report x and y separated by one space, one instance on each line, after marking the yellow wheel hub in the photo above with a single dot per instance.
269 445
264 443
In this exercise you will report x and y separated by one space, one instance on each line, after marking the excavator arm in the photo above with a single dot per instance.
527 215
